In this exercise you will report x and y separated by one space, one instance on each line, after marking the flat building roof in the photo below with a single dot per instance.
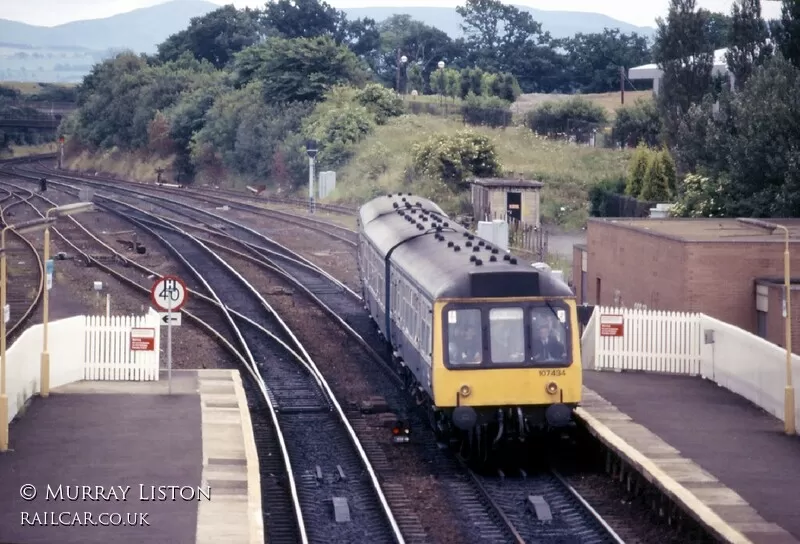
710 229
510 183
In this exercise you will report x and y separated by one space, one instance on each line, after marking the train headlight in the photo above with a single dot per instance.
465 390
551 388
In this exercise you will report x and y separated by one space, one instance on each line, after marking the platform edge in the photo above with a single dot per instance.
253 474
677 492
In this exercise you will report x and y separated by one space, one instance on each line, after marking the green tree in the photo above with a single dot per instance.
453 158
593 60
423 45
637 171
416 80
215 37
638 122
669 170
299 69
748 41
788 31
685 53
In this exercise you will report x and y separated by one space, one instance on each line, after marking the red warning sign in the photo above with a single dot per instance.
143 339
612 325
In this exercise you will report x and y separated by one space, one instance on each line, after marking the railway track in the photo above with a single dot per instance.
303 408
24 267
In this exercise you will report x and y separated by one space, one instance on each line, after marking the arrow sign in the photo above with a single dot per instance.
173 318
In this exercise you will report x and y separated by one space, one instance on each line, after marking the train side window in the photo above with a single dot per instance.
507 335
465 343
550 334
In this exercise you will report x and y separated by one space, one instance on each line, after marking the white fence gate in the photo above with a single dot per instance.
646 340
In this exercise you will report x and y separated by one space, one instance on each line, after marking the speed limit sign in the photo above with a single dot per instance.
169 294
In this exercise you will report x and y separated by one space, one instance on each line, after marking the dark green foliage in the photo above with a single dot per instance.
748 40
601 201
787 32
637 123
490 111
576 117
214 37
684 50
454 158
299 69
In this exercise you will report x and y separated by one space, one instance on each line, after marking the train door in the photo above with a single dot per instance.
514 206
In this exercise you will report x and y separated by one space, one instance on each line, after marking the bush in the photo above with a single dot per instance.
380 101
453 158
337 130
637 124
576 117
486 110
700 197
600 205
656 185
670 171
637 170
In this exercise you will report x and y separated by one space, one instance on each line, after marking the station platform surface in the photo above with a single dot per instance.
128 437
725 458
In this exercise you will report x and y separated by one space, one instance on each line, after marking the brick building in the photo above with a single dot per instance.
726 268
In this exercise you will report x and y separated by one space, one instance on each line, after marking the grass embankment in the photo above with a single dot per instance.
567 170
133 166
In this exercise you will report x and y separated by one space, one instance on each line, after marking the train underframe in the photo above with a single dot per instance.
480 433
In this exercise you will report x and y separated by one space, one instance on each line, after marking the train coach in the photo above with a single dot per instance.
489 345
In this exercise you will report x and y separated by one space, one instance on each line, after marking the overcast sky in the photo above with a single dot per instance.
638 12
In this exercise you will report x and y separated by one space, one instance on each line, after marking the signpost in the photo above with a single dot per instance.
48 268
311 151
169 294
60 152
143 339
612 325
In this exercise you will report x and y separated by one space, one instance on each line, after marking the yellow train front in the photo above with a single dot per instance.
490 346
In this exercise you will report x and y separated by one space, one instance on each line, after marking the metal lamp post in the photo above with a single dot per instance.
440 65
60 211
311 151
788 401
401 61
19 228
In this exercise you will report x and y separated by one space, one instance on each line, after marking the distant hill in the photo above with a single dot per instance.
140 29
560 24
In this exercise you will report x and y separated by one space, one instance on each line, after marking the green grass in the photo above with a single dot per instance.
567 170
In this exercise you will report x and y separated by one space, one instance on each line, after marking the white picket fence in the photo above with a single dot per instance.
81 348
652 341
691 344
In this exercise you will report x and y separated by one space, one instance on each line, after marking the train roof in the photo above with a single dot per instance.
444 258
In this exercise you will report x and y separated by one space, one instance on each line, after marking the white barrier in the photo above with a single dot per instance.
690 344
104 354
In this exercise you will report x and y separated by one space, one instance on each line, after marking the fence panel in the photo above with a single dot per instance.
108 353
647 340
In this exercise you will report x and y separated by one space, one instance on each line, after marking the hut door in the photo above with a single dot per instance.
514 206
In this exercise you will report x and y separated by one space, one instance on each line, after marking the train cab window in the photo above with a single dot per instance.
549 334
507 335
465 343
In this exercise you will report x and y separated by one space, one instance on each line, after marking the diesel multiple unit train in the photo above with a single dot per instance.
489 345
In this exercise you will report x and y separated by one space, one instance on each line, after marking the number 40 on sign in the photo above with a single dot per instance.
169 294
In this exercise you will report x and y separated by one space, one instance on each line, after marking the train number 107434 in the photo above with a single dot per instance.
553 372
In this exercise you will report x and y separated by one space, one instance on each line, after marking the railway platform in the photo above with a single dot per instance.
125 462
711 450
